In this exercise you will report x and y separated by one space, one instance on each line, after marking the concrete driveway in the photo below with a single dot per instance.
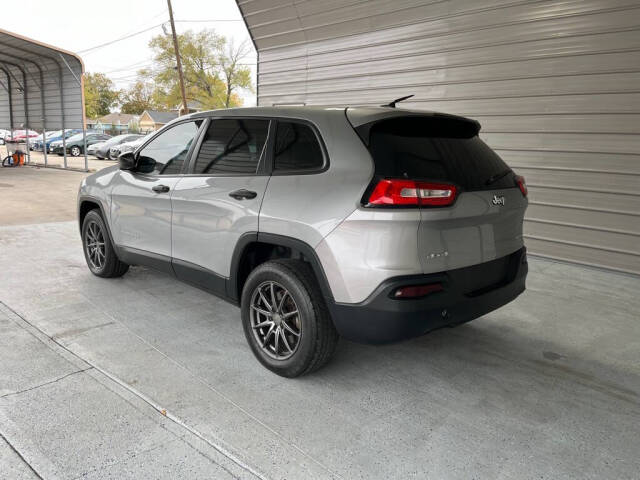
145 377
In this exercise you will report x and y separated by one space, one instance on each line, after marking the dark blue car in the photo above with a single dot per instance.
37 146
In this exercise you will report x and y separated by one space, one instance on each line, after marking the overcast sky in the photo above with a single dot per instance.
78 25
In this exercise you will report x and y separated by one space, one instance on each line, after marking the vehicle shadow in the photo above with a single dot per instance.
483 355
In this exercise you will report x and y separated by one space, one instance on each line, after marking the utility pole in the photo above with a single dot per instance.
184 110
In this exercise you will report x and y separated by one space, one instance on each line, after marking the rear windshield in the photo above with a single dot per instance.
435 148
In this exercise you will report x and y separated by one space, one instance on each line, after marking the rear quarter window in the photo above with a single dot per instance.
296 148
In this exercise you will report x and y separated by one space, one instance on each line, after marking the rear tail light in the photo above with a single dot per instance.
522 185
416 291
410 192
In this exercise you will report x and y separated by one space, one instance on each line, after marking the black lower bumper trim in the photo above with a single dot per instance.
383 319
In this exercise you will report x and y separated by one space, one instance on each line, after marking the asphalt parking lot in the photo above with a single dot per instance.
146 377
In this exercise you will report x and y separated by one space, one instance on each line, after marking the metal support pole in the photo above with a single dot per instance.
64 130
25 91
84 128
44 146
84 148
64 141
44 115
9 91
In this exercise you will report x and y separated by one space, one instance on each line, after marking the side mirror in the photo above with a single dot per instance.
127 161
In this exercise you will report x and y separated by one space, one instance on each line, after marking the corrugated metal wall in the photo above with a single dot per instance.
555 84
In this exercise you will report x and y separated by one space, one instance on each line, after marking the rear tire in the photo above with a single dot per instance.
98 250
298 343
75 151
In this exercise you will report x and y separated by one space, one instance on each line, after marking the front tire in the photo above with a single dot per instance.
286 320
98 250
75 151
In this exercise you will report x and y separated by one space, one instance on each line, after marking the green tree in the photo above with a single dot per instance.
138 98
211 66
100 95
235 74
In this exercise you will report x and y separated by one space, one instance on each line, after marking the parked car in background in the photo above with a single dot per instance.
75 144
116 150
3 133
55 136
39 139
91 149
104 150
20 136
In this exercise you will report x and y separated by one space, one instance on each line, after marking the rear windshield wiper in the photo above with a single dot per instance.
497 176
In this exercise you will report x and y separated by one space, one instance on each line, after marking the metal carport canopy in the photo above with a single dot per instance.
41 86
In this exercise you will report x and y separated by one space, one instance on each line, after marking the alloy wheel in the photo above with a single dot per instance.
95 245
275 320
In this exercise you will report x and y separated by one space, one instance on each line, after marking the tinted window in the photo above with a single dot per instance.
435 148
166 154
232 146
297 148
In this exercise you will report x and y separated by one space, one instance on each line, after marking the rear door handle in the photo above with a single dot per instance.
160 188
242 194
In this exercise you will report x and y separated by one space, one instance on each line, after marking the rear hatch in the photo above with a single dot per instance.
471 203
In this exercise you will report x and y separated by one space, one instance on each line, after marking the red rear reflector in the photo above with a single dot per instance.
415 291
522 185
410 192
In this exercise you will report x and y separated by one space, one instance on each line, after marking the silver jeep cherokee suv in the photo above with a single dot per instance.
375 224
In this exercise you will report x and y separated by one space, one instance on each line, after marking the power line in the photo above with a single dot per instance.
120 39
137 65
133 34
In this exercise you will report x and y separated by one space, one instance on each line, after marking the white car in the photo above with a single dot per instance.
92 149
116 150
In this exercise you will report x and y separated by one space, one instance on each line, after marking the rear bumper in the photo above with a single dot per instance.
383 319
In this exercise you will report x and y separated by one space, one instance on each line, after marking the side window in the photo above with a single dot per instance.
166 153
297 148
232 146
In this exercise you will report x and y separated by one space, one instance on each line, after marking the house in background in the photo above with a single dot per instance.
192 107
152 120
115 123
